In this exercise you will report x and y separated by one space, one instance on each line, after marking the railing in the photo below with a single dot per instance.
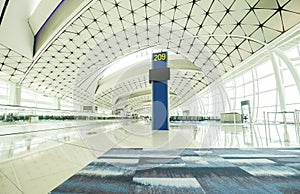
297 118
193 118
283 117
13 113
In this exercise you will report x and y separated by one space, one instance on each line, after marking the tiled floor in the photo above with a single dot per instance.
37 162
17 140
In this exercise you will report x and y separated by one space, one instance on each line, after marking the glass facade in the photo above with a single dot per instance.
33 99
4 92
258 85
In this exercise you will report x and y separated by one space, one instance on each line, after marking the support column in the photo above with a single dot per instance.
15 94
279 82
290 66
57 103
159 76
254 108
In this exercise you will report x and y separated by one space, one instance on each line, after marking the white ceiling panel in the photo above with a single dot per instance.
214 36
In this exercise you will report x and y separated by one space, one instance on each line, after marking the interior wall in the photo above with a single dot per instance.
15 32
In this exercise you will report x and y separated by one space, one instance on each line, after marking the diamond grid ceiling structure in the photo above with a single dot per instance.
215 35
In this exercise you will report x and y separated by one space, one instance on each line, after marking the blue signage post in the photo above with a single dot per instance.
160 115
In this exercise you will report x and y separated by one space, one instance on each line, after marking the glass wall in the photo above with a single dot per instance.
258 85
66 105
4 92
33 99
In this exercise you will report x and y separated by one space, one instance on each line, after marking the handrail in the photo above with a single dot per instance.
295 113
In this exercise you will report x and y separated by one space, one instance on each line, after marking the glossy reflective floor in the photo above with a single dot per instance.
36 158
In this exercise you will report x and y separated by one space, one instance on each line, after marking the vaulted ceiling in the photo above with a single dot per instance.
207 38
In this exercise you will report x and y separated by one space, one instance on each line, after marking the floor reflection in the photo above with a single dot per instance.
127 134
246 136
41 156
50 135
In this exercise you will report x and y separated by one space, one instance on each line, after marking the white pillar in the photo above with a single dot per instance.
290 66
254 108
225 95
234 96
57 103
15 94
279 82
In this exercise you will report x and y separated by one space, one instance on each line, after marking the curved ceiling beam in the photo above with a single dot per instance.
216 36
55 26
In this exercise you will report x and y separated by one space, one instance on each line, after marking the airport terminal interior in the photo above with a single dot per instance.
149 96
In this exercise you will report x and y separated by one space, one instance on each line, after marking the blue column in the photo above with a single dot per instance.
160 116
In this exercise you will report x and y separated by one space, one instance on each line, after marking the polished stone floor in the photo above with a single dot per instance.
36 158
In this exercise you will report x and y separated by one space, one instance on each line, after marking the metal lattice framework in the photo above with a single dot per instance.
215 35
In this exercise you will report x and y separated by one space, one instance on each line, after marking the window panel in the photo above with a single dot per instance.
292 53
267 83
35 99
288 79
249 89
240 91
248 77
240 88
292 107
292 95
230 92
264 69
267 98
239 81
3 101
4 92
65 105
